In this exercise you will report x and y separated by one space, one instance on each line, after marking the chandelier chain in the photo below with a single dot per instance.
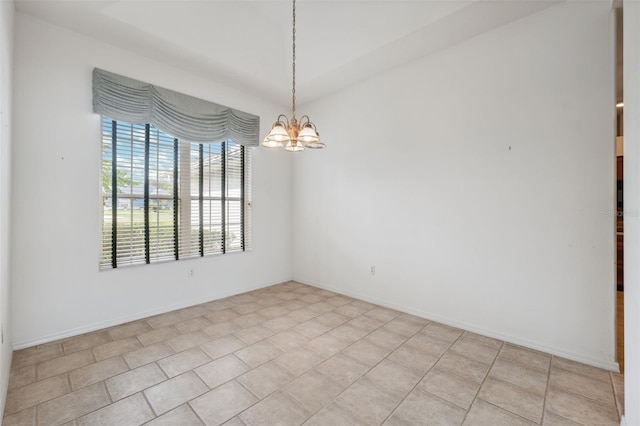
293 97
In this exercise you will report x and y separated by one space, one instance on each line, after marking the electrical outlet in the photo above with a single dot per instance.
373 270
190 273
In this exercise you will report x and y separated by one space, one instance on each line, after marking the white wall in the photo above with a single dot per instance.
632 210
477 181
6 69
57 288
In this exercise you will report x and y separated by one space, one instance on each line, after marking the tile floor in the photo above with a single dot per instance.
292 354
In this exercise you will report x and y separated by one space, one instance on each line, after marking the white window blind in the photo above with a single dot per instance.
166 199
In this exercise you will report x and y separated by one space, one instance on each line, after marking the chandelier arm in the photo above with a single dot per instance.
285 121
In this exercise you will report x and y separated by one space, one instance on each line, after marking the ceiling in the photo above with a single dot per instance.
247 44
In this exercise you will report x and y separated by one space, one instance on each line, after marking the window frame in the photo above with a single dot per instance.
107 261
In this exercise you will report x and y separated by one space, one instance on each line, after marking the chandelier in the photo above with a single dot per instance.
292 134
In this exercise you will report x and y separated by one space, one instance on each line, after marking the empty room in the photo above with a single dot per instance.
319 212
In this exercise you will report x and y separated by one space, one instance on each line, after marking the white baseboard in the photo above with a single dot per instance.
26 343
607 365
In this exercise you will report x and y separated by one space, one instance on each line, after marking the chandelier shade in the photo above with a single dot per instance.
294 136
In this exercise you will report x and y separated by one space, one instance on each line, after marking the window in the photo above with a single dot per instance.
167 199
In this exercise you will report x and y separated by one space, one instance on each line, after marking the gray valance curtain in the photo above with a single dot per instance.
179 115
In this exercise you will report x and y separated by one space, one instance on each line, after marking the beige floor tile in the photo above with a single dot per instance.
442 332
219 305
85 341
350 310
36 354
22 376
164 320
311 298
483 340
326 345
222 315
181 416
394 377
334 415
580 409
429 344
463 367
158 335
187 341
249 320
254 334
312 328
182 362
193 324
303 314
97 372
332 319
413 358
131 411
366 323
565 380
366 353
134 381
222 346
513 398
313 390
265 379
221 370
274 311
532 380
221 329
247 308
128 330
168 395
386 339
276 409
317 356
117 347
422 408
526 357
293 305
370 402
299 360
450 387
475 350
321 307
343 369
551 419
287 340
64 364
258 353
280 323
382 314
23 418
403 327
35 393
482 414
325 293
413 319
581 369
72 405
147 354
348 333
221 404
